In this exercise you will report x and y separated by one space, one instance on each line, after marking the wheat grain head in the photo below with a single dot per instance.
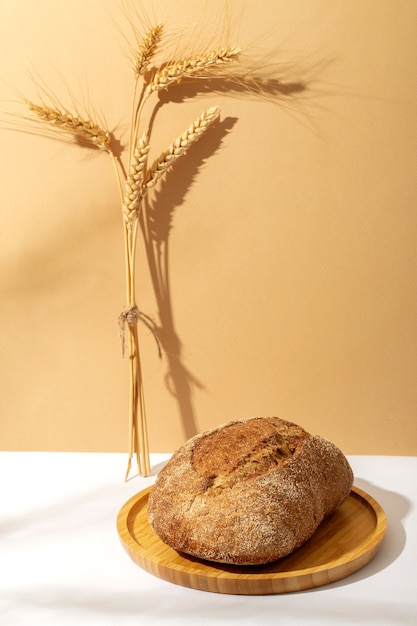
201 66
134 180
147 48
75 125
179 147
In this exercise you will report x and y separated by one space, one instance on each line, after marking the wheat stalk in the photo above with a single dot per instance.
179 147
146 50
193 67
134 180
73 124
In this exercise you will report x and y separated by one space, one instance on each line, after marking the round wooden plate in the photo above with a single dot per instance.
345 542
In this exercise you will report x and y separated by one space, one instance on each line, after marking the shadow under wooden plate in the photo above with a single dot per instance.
345 542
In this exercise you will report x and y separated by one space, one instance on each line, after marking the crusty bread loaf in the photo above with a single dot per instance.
248 492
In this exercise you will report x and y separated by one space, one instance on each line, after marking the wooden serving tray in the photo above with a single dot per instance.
345 542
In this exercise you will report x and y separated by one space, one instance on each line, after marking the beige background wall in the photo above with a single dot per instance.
292 253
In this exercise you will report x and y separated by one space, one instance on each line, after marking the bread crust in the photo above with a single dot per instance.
248 492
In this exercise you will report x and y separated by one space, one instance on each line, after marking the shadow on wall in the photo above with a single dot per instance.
157 223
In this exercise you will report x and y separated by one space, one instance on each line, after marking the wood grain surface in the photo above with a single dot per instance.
345 542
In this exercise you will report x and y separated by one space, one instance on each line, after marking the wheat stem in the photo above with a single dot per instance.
141 427
143 57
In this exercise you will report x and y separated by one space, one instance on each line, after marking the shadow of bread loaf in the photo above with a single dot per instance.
248 492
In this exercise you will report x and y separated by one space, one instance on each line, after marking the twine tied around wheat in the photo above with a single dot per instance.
132 315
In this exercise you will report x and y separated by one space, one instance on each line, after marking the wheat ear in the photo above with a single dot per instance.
179 147
201 66
134 180
147 48
73 124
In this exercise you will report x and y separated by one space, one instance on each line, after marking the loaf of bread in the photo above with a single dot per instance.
248 492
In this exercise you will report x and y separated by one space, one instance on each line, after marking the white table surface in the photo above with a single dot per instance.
62 563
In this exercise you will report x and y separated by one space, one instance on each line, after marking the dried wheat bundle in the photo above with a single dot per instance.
135 179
